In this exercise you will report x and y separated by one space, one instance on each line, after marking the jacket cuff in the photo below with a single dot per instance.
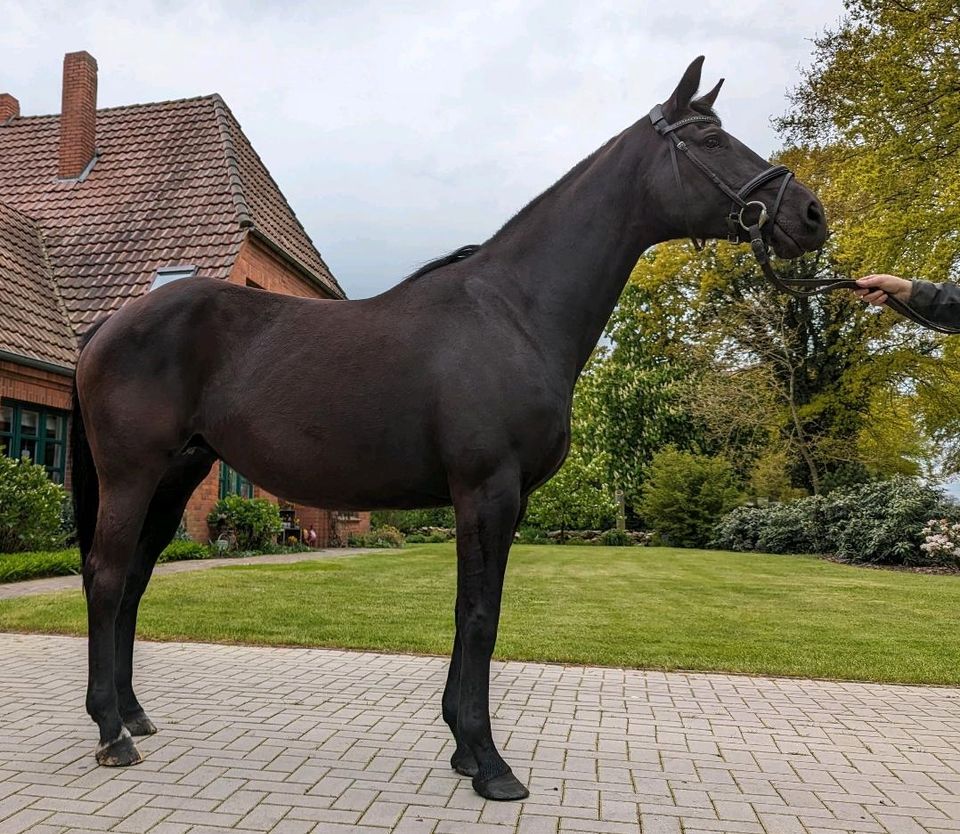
922 293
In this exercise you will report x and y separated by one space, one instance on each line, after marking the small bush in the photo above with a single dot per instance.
416 538
685 495
31 507
251 523
615 538
531 535
180 550
385 536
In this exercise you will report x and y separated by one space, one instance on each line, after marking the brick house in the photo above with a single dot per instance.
99 206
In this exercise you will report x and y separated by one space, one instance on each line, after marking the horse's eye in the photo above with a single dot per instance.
711 142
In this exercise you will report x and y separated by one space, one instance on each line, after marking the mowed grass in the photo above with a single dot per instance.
652 608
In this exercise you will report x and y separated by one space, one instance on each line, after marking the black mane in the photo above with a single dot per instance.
460 254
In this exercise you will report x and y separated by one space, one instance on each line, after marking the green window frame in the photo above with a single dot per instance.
233 483
38 432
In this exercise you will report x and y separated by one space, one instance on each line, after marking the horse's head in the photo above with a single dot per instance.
710 181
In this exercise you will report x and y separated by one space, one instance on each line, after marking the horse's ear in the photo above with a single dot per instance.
686 89
709 98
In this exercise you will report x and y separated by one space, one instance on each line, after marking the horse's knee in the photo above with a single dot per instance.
479 633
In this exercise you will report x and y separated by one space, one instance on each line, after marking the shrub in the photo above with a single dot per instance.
531 535
385 536
880 522
416 538
685 495
179 550
253 523
615 538
941 542
31 507
18 567
411 521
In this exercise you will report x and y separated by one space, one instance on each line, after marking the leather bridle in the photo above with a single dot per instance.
740 218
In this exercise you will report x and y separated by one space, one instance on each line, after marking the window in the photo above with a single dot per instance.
233 483
35 432
168 274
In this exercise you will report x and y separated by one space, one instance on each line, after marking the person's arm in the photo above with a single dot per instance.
938 302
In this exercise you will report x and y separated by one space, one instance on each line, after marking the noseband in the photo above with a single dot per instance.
752 216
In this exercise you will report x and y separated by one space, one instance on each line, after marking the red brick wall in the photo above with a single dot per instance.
78 114
258 266
18 382
200 504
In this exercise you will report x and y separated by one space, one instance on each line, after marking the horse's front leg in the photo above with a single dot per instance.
462 759
487 515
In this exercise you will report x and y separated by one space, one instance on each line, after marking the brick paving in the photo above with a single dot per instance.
310 740
52 584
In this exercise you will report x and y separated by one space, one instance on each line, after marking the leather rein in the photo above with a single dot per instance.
752 216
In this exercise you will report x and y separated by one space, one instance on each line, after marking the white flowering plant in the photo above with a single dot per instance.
941 541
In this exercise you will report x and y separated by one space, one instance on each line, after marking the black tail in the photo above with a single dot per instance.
85 484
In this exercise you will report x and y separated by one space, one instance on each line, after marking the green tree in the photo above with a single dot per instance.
880 106
630 398
773 374
576 498
685 496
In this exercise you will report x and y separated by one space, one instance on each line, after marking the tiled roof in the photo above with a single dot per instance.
175 183
34 321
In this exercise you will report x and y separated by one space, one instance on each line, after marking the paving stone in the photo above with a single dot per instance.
293 741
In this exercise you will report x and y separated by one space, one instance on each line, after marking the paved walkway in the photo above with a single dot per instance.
306 740
52 584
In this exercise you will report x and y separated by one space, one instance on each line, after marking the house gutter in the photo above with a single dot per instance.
39 364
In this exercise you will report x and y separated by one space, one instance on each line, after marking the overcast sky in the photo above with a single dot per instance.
399 131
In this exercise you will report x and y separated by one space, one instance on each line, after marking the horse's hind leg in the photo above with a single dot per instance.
159 527
123 507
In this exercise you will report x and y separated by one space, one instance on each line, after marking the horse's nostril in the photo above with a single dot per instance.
815 213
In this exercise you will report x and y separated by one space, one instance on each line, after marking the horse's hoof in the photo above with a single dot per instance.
139 725
464 762
502 788
121 752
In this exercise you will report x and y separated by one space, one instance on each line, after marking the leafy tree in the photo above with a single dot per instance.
774 374
685 495
576 498
880 104
630 399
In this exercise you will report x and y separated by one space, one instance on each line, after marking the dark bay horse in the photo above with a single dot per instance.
454 386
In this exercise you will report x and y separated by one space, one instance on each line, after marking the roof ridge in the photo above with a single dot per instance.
228 113
235 180
116 107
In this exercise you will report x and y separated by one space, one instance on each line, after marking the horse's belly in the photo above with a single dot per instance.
341 473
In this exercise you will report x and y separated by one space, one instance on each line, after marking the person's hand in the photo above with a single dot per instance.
876 288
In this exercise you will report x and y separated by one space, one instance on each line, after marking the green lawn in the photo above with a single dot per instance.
653 608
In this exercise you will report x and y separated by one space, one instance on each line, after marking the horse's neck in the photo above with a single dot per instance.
569 254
